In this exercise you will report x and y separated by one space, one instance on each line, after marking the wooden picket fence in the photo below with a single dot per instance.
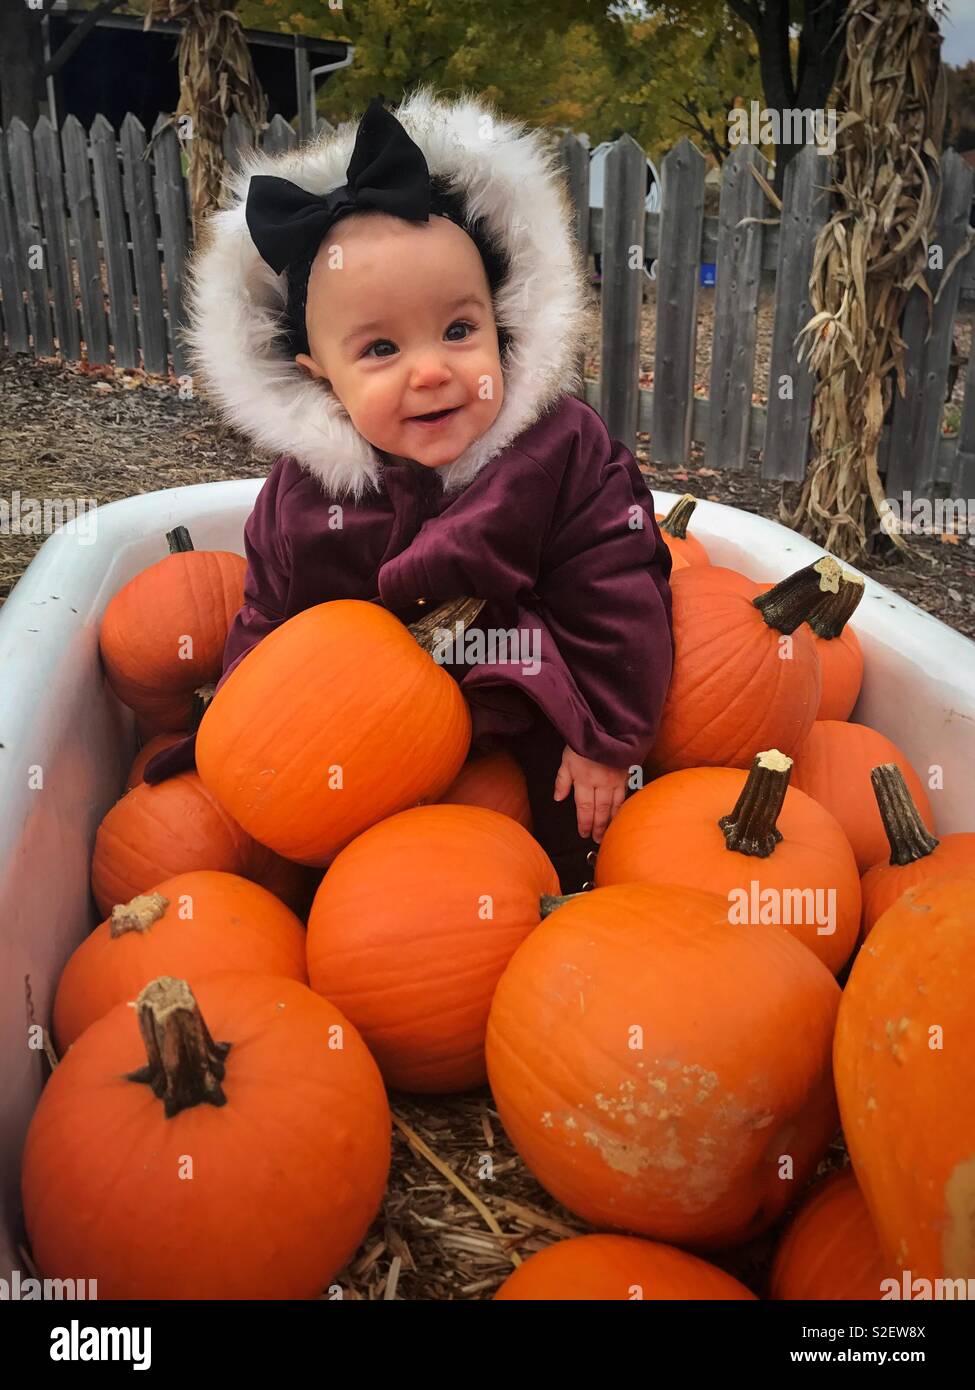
110 219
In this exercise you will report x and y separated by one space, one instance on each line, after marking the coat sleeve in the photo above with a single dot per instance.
578 578
266 588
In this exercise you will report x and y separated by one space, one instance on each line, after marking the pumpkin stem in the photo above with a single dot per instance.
137 915
185 1065
834 611
201 699
551 902
675 522
456 610
751 828
179 540
795 597
906 832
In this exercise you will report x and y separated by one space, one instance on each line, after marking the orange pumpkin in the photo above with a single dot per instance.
673 528
411 929
646 1064
915 854
829 1249
336 720
838 648
494 781
771 852
190 925
617 1267
234 1145
746 674
162 636
149 750
155 832
833 766
904 1061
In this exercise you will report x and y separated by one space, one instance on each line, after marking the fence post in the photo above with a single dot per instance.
238 138
173 218
278 137
13 265
145 245
30 236
622 288
678 276
50 185
804 210
739 259
115 242
77 174
911 453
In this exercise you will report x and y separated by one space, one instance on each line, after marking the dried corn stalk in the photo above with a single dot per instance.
890 103
216 79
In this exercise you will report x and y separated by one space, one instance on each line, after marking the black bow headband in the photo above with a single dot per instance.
387 172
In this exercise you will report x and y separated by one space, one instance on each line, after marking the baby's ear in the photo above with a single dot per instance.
311 368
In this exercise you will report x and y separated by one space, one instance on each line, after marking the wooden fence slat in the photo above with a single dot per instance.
735 309
13 263
137 182
678 275
803 213
30 235
278 137
915 419
114 238
173 224
622 288
84 238
238 138
50 186
575 162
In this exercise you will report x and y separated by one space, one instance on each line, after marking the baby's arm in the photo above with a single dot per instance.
264 608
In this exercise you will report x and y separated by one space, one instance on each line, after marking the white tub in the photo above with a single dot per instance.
59 722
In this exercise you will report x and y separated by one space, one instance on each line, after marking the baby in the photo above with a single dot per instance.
418 356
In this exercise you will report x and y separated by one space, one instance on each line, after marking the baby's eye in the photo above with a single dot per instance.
378 343
462 323
381 342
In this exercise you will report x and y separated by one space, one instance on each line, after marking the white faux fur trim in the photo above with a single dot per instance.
510 176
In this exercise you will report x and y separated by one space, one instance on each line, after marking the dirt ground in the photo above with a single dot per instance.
104 434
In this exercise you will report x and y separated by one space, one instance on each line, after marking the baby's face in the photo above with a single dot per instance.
400 323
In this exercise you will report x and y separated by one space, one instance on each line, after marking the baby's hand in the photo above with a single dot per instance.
600 791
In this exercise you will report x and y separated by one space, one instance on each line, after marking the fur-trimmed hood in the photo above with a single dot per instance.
508 175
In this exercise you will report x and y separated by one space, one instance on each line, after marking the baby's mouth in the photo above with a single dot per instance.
436 414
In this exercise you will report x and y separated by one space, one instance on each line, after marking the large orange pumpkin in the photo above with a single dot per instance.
336 720
618 1267
162 636
833 765
190 925
771 852
234 1144
838 648
904 1060
746 673
829 1249
495 781
673 528
411 929
176 826
646 1062
915 854
149 750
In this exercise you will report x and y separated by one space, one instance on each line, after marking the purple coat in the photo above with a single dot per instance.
557 533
